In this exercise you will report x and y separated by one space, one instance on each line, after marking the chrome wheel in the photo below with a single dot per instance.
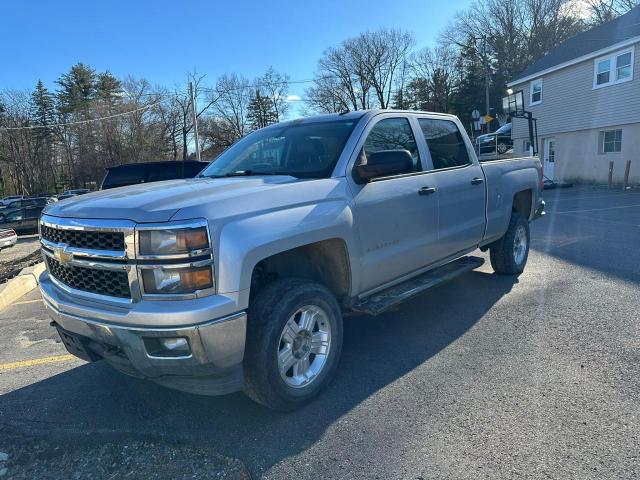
520 245
304 346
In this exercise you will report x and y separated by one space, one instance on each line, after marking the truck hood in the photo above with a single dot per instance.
161 201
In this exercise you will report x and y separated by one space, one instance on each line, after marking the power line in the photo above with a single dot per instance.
80 122
180 94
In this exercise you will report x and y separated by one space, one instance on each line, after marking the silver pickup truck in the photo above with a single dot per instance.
238 279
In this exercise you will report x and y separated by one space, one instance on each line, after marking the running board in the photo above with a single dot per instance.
384 300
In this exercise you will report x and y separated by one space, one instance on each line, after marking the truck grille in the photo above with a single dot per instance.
114 283
84 239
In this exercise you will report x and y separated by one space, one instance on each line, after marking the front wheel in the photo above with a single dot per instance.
502 148
509 254
294 341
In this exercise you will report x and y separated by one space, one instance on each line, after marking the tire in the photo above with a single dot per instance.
273 342
502 148
509 254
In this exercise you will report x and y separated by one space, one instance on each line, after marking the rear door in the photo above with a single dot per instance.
30 218
460 184
396 224
14 220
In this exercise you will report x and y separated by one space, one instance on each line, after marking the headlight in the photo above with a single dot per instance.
175 261
173 241
161 280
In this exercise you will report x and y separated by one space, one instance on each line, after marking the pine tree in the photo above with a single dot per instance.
42 107
260 111
107 86
470 92
77 87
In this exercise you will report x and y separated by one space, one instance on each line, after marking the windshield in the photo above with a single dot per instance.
506 128
308 150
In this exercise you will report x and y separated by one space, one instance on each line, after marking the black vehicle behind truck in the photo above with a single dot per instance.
22 220
134 173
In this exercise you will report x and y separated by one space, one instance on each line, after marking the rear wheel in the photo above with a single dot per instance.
294 340
502 148
509 254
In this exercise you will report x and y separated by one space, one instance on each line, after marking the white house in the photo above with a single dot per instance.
585 95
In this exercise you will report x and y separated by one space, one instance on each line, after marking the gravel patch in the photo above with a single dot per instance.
23 457
10 269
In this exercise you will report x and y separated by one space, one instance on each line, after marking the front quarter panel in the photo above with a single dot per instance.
244 241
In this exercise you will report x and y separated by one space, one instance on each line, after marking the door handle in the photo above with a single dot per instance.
426 191
477 181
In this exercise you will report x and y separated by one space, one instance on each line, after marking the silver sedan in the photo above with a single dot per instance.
8 237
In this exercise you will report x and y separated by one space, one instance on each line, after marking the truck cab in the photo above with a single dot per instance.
238 279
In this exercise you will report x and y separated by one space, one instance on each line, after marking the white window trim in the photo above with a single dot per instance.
531 102
613 57
601 141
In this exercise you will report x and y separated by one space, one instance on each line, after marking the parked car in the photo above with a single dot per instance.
499 141
237 279
72 193
10 198
8 238
22 220
25 203
134 173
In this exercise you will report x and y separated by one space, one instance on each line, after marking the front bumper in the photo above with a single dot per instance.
212 367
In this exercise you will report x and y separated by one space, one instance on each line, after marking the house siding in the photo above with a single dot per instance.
578 159
570 103
573 113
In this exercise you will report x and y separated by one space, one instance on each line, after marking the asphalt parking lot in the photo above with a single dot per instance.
485 377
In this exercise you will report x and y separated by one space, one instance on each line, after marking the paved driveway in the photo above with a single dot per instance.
485 377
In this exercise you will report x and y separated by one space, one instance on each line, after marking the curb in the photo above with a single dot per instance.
26 281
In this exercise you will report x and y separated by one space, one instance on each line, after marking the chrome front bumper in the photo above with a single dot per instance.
213 366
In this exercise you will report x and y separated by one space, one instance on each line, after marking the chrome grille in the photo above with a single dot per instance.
84 238
113 283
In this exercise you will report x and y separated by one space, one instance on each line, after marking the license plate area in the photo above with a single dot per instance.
76 345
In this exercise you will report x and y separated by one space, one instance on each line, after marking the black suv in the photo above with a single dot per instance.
134 173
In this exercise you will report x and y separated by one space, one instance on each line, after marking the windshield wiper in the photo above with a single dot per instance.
243 173
247 173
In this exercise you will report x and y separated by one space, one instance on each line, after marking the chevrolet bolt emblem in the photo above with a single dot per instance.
62 255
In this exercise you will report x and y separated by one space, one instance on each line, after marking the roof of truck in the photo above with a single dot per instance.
351 115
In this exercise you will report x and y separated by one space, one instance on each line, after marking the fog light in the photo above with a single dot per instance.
175 344
167 347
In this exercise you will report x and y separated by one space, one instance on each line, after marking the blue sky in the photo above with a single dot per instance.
162 40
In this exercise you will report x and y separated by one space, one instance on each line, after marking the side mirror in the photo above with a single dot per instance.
383 164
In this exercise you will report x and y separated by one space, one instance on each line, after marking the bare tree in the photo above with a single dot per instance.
381 54
274 86
204 100
437 68
603 11
232 95
361 72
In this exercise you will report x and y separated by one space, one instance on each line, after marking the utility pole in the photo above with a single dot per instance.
487 78
194 109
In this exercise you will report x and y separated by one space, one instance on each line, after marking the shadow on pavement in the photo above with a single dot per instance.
95 403
584 227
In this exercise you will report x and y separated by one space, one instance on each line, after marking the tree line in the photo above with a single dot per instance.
52 139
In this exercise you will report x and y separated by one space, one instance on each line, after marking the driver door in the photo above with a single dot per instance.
396 217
